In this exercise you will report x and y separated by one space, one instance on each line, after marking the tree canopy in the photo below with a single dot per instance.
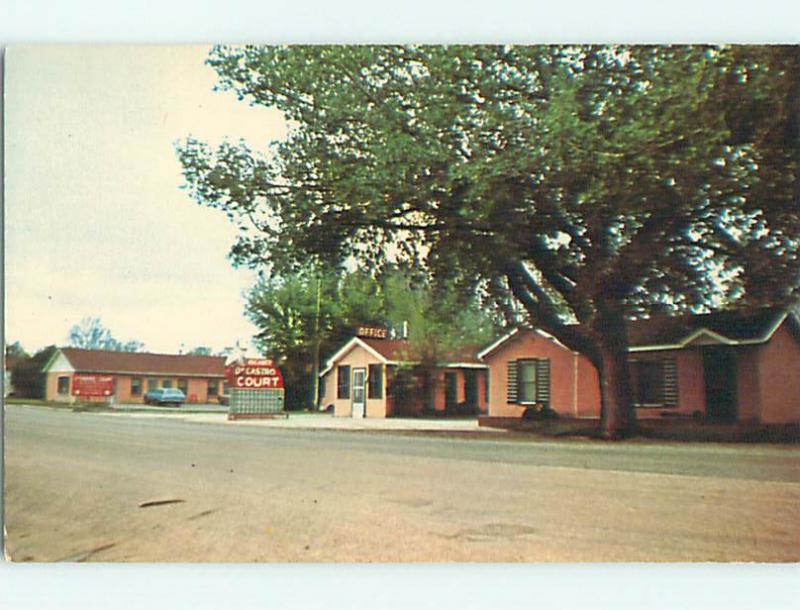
592 183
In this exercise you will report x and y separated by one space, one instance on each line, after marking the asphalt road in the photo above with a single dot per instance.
74 483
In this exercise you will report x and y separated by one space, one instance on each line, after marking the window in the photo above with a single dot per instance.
213 387
183 386
63 385
375 381
167 383
225 387
136 386
527 381
343 382
648 382
152 383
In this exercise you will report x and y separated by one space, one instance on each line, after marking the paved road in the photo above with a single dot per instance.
74 483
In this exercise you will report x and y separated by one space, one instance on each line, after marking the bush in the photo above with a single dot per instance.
539 413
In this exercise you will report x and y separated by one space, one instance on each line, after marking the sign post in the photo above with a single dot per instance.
256 387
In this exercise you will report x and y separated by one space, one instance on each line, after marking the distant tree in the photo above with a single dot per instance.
591 183
90 333
27 375
127 346
200 350
15 350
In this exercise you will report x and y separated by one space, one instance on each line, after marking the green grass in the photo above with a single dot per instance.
39 402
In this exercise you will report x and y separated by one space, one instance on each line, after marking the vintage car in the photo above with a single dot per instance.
165 396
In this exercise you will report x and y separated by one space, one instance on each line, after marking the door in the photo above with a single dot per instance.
719 368
359 394
450 391
471 389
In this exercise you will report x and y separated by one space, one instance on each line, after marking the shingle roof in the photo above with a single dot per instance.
391 349
734 325
102 361
400 350
753 325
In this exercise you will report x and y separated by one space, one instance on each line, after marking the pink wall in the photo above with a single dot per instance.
574 387
779 378
357 357
748 362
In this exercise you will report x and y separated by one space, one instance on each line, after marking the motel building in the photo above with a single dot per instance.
725 367
373 376
75 374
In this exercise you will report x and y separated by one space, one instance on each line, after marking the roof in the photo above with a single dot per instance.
464 355
104 361
727 327
397 351
394 350
505 338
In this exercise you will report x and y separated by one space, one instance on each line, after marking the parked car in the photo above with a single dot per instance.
165 396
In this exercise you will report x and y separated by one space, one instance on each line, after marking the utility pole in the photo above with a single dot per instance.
315 383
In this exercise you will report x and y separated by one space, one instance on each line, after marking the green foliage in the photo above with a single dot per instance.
15 350
200 350
27 376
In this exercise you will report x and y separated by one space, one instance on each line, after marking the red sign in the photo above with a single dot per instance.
254 374
374 332
92 385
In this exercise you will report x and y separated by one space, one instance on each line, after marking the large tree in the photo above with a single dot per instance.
589 183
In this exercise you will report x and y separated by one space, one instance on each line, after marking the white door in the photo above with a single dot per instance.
359 395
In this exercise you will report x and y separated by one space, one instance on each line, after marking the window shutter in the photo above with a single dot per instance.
670 388
543 382
511 386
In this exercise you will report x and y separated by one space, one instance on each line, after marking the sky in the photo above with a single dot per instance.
96 223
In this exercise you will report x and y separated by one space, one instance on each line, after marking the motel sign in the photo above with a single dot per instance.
256 386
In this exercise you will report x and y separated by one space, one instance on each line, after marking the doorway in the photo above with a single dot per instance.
450 391
471 389
719 369
359 394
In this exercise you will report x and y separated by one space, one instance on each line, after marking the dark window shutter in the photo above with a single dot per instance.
543 382
670 388
511 386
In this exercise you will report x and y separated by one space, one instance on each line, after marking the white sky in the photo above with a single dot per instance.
96 224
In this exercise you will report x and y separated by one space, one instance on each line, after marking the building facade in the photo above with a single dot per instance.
726 366
201 378
528 367
371 377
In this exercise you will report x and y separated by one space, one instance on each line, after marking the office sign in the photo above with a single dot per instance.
373 332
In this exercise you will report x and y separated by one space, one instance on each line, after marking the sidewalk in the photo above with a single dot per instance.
324 421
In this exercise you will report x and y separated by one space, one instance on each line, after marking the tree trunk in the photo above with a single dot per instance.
617 417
